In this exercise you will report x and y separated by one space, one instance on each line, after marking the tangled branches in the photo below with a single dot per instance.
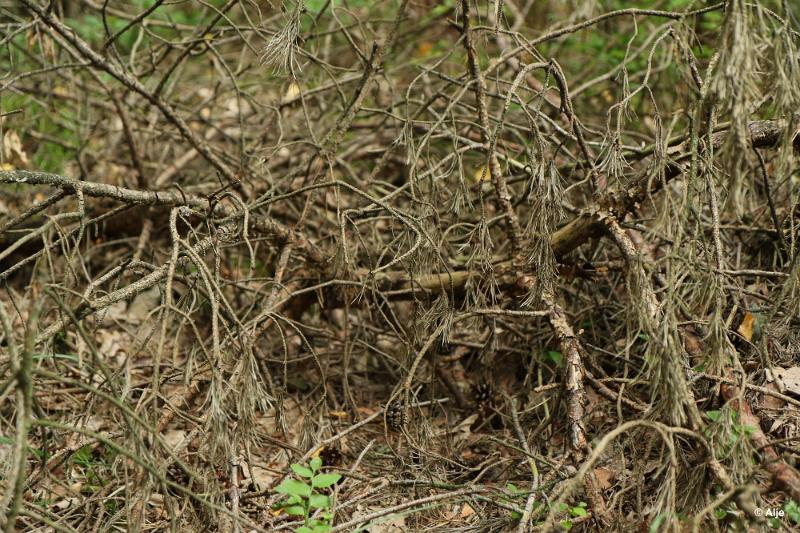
502 265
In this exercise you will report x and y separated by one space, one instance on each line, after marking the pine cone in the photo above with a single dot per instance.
396 417
483 394
331 456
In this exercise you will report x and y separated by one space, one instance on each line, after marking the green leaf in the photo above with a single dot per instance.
303 471
325 480
556 357
319 526
303 529
720 513
714 416
566 525
294 487
656 524
315 6
319 501
578 512
792 511
316 463
295 510
38 452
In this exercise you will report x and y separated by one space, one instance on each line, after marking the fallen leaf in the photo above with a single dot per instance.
463 430
113 313
467 511
424 49
776 425
790 378
691 342
13 153
745 329
481 174
292 92
142 305
389 524
65 503
605 477
771 402
174 437
262 477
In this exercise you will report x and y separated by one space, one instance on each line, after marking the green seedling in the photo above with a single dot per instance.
303 496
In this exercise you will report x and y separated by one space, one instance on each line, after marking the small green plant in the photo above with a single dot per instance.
792 511
303 496
578 511
93 462
555 357
38 452
728 430
518 494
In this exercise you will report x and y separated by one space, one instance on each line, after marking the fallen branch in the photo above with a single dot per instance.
763 134
261 224
784 477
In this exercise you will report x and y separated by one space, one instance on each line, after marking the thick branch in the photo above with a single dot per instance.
763 134
261 224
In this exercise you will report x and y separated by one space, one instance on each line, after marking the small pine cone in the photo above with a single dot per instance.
331 456
483 393
177 475
396 417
